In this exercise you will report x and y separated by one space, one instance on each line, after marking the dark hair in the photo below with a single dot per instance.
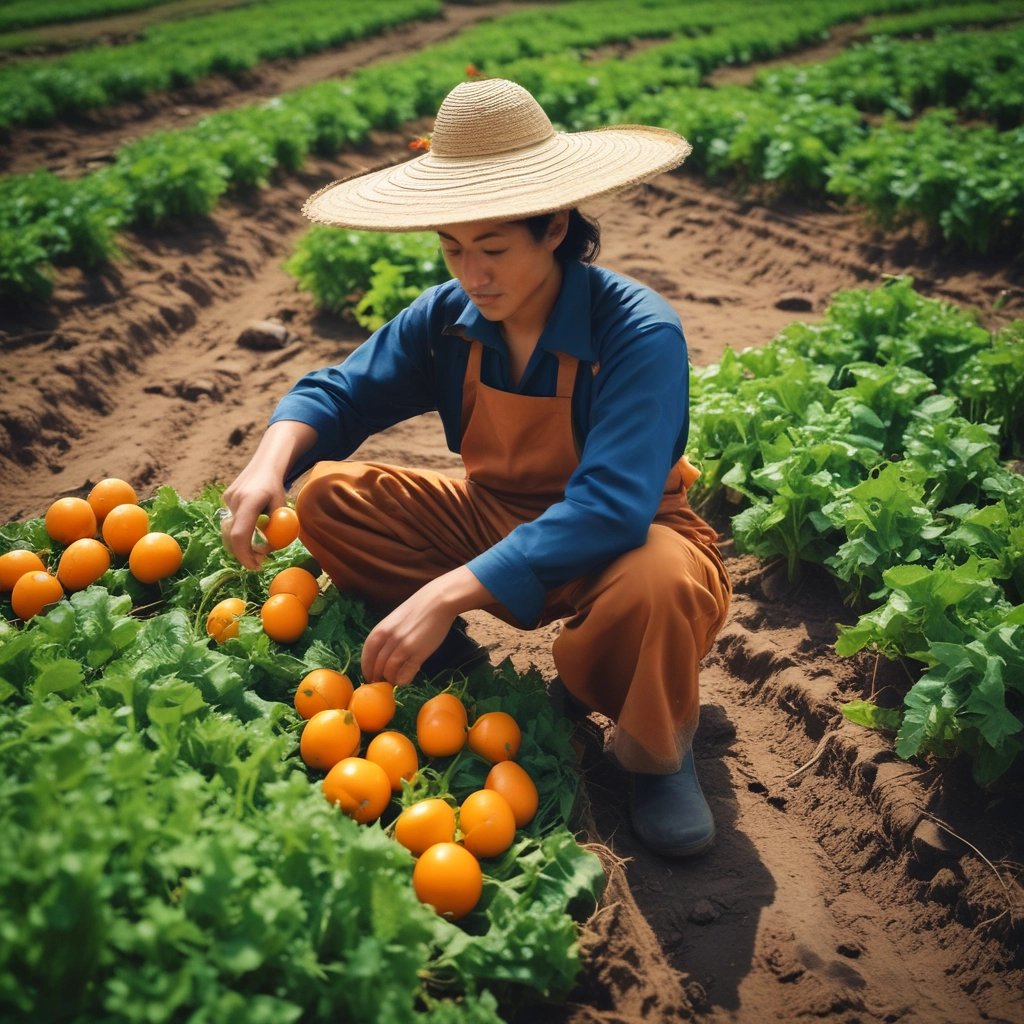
582 240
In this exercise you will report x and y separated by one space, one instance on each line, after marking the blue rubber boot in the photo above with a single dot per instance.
669 813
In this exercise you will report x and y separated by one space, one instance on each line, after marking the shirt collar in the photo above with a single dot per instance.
568 328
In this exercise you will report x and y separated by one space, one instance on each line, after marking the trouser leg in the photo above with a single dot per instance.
382 532
633 648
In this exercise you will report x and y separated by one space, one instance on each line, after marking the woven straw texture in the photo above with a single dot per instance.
495 156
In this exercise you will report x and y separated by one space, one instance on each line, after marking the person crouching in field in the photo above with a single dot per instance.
564 387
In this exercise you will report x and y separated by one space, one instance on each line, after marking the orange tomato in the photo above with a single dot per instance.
284 618
495 736
487 823
449 878
359 787
441 725
124 526
320 689
154 556
70 519
445 702
281 527
33 592
296 581
82 563
110 493
222 622
440 734
396 754
373 704
329 737
515 785
15 563
425 823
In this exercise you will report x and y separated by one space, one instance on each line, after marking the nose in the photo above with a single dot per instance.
475 274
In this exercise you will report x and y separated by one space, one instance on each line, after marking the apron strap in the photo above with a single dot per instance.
566 375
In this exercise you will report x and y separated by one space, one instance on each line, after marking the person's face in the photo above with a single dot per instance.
502 268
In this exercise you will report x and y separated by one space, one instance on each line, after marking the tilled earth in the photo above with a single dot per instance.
845 884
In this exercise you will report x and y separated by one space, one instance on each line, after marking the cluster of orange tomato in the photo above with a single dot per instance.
111 510
284 615
448 874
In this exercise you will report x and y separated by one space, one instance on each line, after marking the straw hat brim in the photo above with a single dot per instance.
431 191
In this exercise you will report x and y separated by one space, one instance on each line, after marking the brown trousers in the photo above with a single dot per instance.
634 631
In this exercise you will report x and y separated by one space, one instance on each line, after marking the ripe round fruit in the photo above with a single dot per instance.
33 592
124 526
82 563
515 785
359 787
441 726
449 878
487 823
284 618
15 563
424 824
297 581
495 736
281 527
222 622
396 754
70 519
373 704
441 734
322 689
329 737
154 557
447 702
110 493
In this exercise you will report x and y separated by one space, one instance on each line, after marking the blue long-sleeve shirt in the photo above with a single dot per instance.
630 418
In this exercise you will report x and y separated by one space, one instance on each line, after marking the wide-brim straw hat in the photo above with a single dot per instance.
494 155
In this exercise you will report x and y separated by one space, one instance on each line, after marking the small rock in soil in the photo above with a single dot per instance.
263 336
849 949
794 303
703 912
944 886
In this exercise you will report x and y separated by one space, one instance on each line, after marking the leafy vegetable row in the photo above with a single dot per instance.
17 14
979 74
45 220
166 854
875 444
177 53
944 16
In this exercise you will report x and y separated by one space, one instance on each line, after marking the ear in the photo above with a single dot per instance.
556 230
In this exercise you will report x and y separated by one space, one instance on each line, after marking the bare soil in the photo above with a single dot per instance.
844 884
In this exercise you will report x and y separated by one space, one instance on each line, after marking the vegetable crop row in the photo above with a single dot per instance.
166 855
945 16
47 221
980 74
177 53
18 14
875 444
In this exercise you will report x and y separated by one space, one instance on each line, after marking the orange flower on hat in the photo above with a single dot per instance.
472 71
421 142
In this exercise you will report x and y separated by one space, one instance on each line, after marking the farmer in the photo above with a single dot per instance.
563 386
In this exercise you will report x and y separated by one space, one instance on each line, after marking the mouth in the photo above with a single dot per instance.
481 300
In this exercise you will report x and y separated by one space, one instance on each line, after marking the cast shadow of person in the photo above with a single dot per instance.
705 910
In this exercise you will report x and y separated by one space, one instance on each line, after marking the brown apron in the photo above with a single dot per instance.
634 631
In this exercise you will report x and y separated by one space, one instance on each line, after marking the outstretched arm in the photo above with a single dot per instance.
260 487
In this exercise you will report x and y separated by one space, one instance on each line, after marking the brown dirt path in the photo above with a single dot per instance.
832 892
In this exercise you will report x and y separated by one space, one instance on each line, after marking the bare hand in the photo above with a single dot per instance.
260 488
399 644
